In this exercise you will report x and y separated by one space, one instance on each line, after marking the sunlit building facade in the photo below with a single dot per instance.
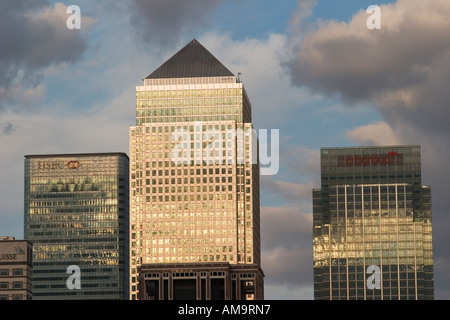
372 225
76 214
194 174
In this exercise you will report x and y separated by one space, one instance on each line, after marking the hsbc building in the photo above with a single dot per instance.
372 225
77 214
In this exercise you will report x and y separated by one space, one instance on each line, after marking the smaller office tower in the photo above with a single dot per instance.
372 231
16 269
76 216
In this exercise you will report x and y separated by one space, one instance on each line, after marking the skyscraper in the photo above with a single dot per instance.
372 226
76 215
194 179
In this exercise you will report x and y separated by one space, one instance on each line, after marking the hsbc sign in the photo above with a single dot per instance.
388 159
54 165
73 164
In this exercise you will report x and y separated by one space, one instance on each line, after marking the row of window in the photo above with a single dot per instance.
167 198
188 93
370 295
167 164
190 259
169 119
219 103
374 177
359 280
193 128
374 189
14 297
15 285
104 200
75 210
112 216
384 198
196 188
14 272
194 172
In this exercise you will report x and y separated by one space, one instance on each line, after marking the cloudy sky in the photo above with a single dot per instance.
312 69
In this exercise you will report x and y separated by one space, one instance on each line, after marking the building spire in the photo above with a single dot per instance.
193 60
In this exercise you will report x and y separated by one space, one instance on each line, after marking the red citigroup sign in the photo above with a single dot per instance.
391 158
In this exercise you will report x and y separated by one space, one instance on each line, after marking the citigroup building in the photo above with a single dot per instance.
372 225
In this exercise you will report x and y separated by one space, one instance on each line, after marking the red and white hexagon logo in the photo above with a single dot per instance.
73 164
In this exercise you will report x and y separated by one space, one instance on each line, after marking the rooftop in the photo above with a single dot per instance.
62 155
194 60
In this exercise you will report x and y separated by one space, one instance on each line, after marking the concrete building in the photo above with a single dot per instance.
16 269
201 281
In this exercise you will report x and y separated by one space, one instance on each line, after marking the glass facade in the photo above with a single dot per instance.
195 209
77 213
372 226
216 103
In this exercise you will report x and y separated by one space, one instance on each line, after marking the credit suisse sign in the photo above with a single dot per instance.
8 254
388 159
52 165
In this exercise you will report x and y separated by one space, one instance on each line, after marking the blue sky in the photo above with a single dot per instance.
324 81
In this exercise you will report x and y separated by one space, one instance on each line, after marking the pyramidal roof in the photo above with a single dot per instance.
194 60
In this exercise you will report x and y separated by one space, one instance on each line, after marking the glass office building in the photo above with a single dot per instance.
372 226
194 178
77 214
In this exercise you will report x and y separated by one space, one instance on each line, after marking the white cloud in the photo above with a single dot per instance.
57 16
261 63
291 191
286 233
379 133
34 37
282 292
162 23
401 69
22 95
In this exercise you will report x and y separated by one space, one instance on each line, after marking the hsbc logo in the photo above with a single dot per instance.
54 165
73 164
391 158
